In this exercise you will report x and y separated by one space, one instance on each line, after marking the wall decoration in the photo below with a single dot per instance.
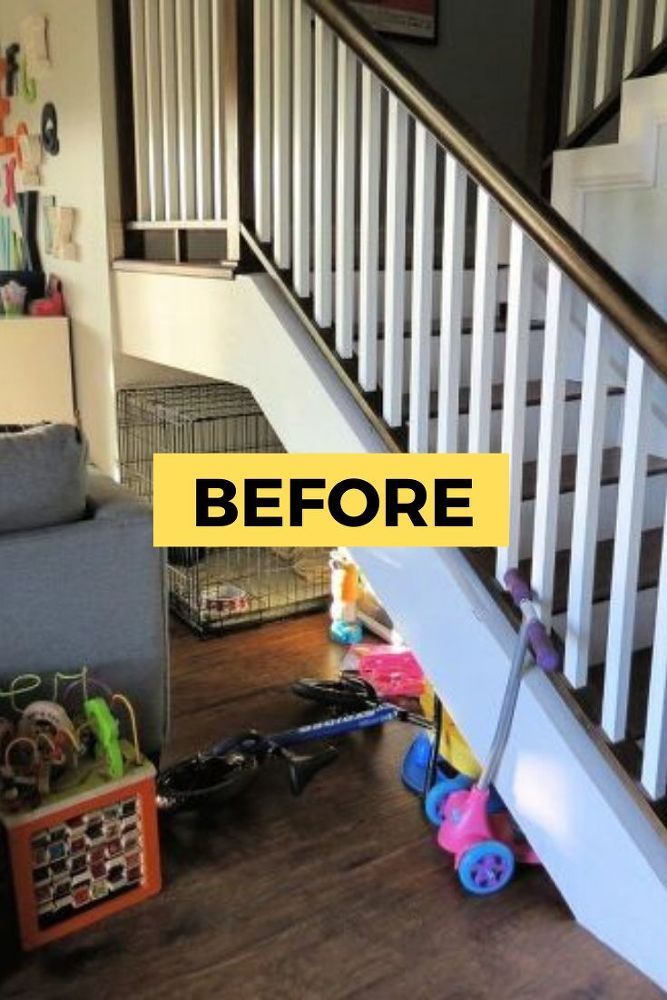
7 143
28 83
35 43
9 197
48 204
62 225
50 139
29 155
416 20
12 69
28 209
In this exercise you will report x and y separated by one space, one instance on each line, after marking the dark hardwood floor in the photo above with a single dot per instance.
338 894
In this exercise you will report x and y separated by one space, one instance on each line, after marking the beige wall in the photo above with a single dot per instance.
80 85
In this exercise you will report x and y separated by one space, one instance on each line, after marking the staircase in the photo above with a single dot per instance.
459 312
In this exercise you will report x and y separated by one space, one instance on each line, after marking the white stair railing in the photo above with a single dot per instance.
429 337
607 42
184 90
383 218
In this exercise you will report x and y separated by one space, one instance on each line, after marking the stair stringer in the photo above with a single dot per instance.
603 852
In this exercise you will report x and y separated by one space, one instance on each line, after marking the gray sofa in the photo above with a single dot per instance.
89 591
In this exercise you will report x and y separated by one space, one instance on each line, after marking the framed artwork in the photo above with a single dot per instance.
416 20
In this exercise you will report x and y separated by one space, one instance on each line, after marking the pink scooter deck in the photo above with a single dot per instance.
467 822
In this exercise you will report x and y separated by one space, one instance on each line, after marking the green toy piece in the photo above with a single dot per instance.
105 727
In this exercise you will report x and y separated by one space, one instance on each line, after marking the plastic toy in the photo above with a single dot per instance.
53 303
485 845
78 805
392 670
345 627
224 770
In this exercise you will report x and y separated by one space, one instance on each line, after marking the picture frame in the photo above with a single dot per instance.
411 20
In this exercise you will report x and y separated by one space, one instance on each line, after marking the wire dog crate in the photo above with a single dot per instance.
214 589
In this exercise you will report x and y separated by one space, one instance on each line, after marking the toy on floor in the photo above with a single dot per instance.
78 805
485 845
345 627
392 670
224 770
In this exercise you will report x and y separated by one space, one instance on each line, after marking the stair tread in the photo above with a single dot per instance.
533 397
466 329
611 468
649 567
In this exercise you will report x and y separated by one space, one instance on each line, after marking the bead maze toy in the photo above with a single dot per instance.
487 845
78 806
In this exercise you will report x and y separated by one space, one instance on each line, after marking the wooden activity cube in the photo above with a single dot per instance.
85 857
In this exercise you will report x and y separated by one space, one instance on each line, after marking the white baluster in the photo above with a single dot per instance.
579 56
627 541
282 105
654 765
203 109
394 267
552 410
345 199
586 500
140 109
186 113
154 106
483 322
606 50
323 276
262 119
634 31
421 324
369 228
218 107
451 310
302 148
659 23
169 107
517 347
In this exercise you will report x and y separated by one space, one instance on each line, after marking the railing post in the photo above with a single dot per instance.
230 64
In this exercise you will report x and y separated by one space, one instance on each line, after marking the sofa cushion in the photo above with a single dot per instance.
42 477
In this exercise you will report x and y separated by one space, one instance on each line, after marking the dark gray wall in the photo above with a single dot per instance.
482 65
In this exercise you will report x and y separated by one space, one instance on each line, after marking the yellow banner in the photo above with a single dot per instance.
330 500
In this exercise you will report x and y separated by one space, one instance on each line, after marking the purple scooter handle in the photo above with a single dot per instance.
546 656
517 587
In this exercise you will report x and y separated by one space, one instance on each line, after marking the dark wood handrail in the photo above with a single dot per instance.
641 325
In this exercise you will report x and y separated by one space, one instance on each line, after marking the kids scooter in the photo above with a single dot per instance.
486 845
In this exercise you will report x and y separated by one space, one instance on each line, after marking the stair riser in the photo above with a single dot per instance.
654 512
534 360
468 285
570 428
643 630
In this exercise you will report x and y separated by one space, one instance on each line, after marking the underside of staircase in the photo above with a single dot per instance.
415 295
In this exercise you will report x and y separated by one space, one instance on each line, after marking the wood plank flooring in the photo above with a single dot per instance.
338 894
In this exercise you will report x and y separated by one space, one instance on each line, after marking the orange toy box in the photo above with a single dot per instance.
79 860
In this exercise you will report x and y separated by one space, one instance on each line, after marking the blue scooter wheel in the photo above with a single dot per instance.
434 802
486 868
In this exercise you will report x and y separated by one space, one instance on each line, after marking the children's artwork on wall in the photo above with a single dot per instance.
50 139
35 43
29 160
48 204
62 225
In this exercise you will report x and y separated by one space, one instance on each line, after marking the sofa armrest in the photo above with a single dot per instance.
91 592
107 500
